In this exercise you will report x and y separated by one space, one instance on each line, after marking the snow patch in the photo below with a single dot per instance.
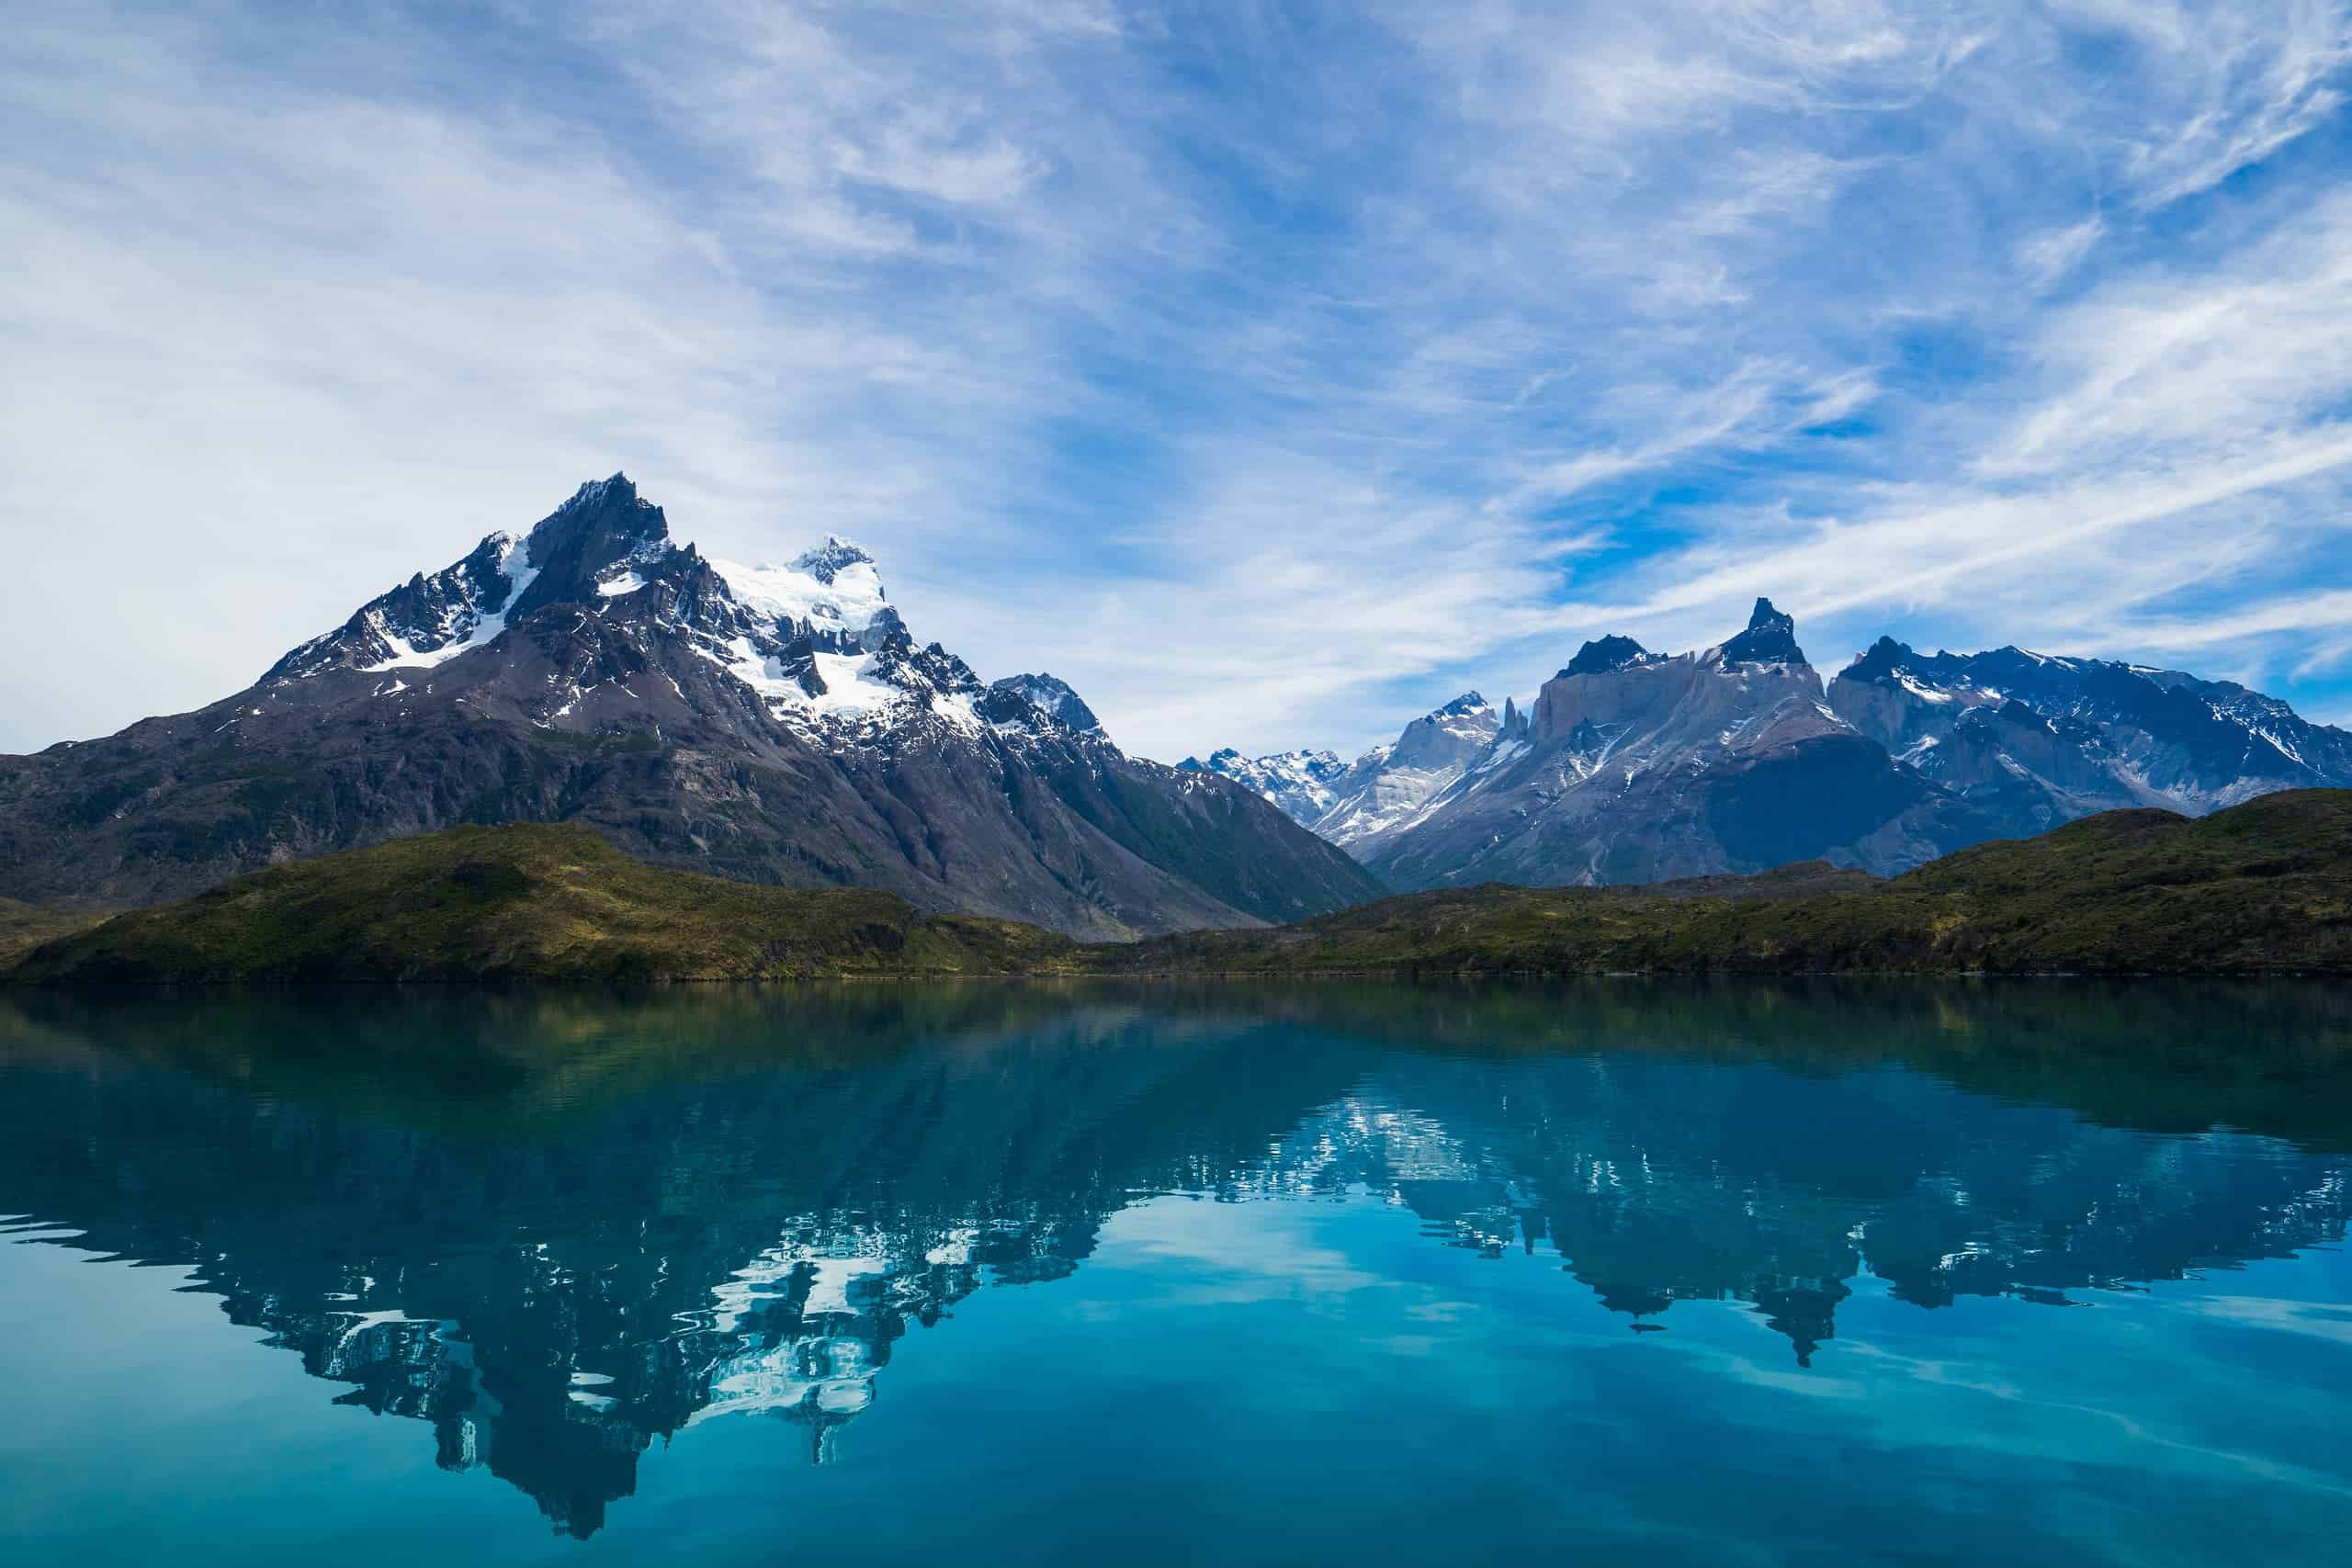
850 689
849 604
485 628
956 707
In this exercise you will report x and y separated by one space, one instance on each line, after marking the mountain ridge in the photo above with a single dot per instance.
1635 767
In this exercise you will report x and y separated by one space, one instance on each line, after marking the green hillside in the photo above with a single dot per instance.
528 902
2261 888
24 926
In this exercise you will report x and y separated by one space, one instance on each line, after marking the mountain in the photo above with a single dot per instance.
1386 790
1634 766
2039 740
1298 782
774 724
1640 767
1354 804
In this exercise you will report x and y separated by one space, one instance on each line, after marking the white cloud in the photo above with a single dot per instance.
2050 256
1270 382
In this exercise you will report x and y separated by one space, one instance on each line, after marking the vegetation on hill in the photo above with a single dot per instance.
2262 887
528 902
24 926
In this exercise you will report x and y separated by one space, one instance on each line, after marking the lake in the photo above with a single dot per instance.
1619 1271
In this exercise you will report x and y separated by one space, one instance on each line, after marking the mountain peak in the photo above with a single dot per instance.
1468 702
581 543
1602 655
1770 638
833 592
1882 658
591 492
1053 695
830 558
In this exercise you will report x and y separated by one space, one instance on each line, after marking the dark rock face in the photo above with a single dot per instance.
1603 654
770 724
1770 638
2039 740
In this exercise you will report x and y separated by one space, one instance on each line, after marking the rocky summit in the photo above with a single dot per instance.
771 723
1635 767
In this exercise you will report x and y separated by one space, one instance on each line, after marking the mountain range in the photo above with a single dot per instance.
1635 767
773 724
779 724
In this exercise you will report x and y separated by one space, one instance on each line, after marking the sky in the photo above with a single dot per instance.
1270 372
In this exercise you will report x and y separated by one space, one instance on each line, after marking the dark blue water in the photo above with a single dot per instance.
2037 1273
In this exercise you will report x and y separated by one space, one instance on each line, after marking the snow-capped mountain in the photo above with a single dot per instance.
2041 740
1298 782
1390 787
1352 804
771 723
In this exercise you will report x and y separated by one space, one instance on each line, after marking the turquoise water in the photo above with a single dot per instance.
2043 1272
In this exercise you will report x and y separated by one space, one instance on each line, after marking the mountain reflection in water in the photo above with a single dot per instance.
555 1226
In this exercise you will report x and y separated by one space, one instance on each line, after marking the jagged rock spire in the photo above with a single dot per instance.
1770 638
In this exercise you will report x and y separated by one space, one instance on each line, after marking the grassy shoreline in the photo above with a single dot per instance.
2260 889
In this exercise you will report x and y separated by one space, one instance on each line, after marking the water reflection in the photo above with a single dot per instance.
558 1227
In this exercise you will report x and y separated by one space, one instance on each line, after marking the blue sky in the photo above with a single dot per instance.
1270 372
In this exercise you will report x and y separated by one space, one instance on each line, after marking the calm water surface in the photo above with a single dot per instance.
2040 1273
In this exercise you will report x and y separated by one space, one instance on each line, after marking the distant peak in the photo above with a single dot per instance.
1770 638
830 558
605 504
618 489
1882 658
1053 695
1468 702
1602 655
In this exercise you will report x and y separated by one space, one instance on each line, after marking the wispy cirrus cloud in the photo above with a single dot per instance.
1269 373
